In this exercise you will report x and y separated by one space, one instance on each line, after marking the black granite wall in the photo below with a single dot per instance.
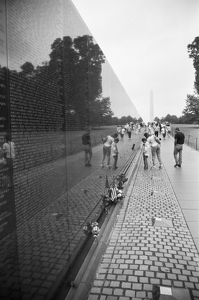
50 78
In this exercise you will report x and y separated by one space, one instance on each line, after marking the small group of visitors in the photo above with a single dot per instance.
151 143
121 131
127 128
160 128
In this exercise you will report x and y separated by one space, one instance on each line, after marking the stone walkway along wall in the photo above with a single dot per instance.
144 251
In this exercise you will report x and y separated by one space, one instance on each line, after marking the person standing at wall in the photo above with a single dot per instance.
86 141
107 143
178 147
115 153
155 149
146 150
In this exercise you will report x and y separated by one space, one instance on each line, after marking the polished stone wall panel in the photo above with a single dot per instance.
51 82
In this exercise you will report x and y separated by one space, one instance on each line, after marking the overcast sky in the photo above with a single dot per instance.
145 42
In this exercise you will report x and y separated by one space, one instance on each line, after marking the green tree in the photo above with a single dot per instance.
193 50
170 118
157 119
140 120
184 120
115 121
191 110
27 68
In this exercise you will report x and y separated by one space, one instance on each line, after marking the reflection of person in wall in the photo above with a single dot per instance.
2 165
9 154
86 141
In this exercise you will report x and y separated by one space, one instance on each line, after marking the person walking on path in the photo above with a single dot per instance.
146 149
86 141
155 149
164 131
168 129
107 143
129 130
178 146
156 128
122 132
119 129
115 153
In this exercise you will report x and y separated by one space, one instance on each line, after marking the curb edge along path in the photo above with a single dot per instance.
88 270
142 253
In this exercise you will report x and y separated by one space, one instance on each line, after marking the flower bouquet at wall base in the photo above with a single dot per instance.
111 195
121 179
105 202
91 228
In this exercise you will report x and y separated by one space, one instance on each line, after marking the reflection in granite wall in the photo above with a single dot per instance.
50 90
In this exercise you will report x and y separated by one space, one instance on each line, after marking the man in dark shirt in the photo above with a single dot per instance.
86 141
178 146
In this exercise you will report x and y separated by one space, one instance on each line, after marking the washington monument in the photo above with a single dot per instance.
151 116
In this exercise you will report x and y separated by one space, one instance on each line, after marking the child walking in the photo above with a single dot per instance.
115 153
146 150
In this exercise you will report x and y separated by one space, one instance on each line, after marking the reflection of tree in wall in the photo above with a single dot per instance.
4 115
83 83
82 61
64 93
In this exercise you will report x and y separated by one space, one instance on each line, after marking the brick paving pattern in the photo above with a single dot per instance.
141 252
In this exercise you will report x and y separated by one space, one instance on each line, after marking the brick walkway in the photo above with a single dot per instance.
150 245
